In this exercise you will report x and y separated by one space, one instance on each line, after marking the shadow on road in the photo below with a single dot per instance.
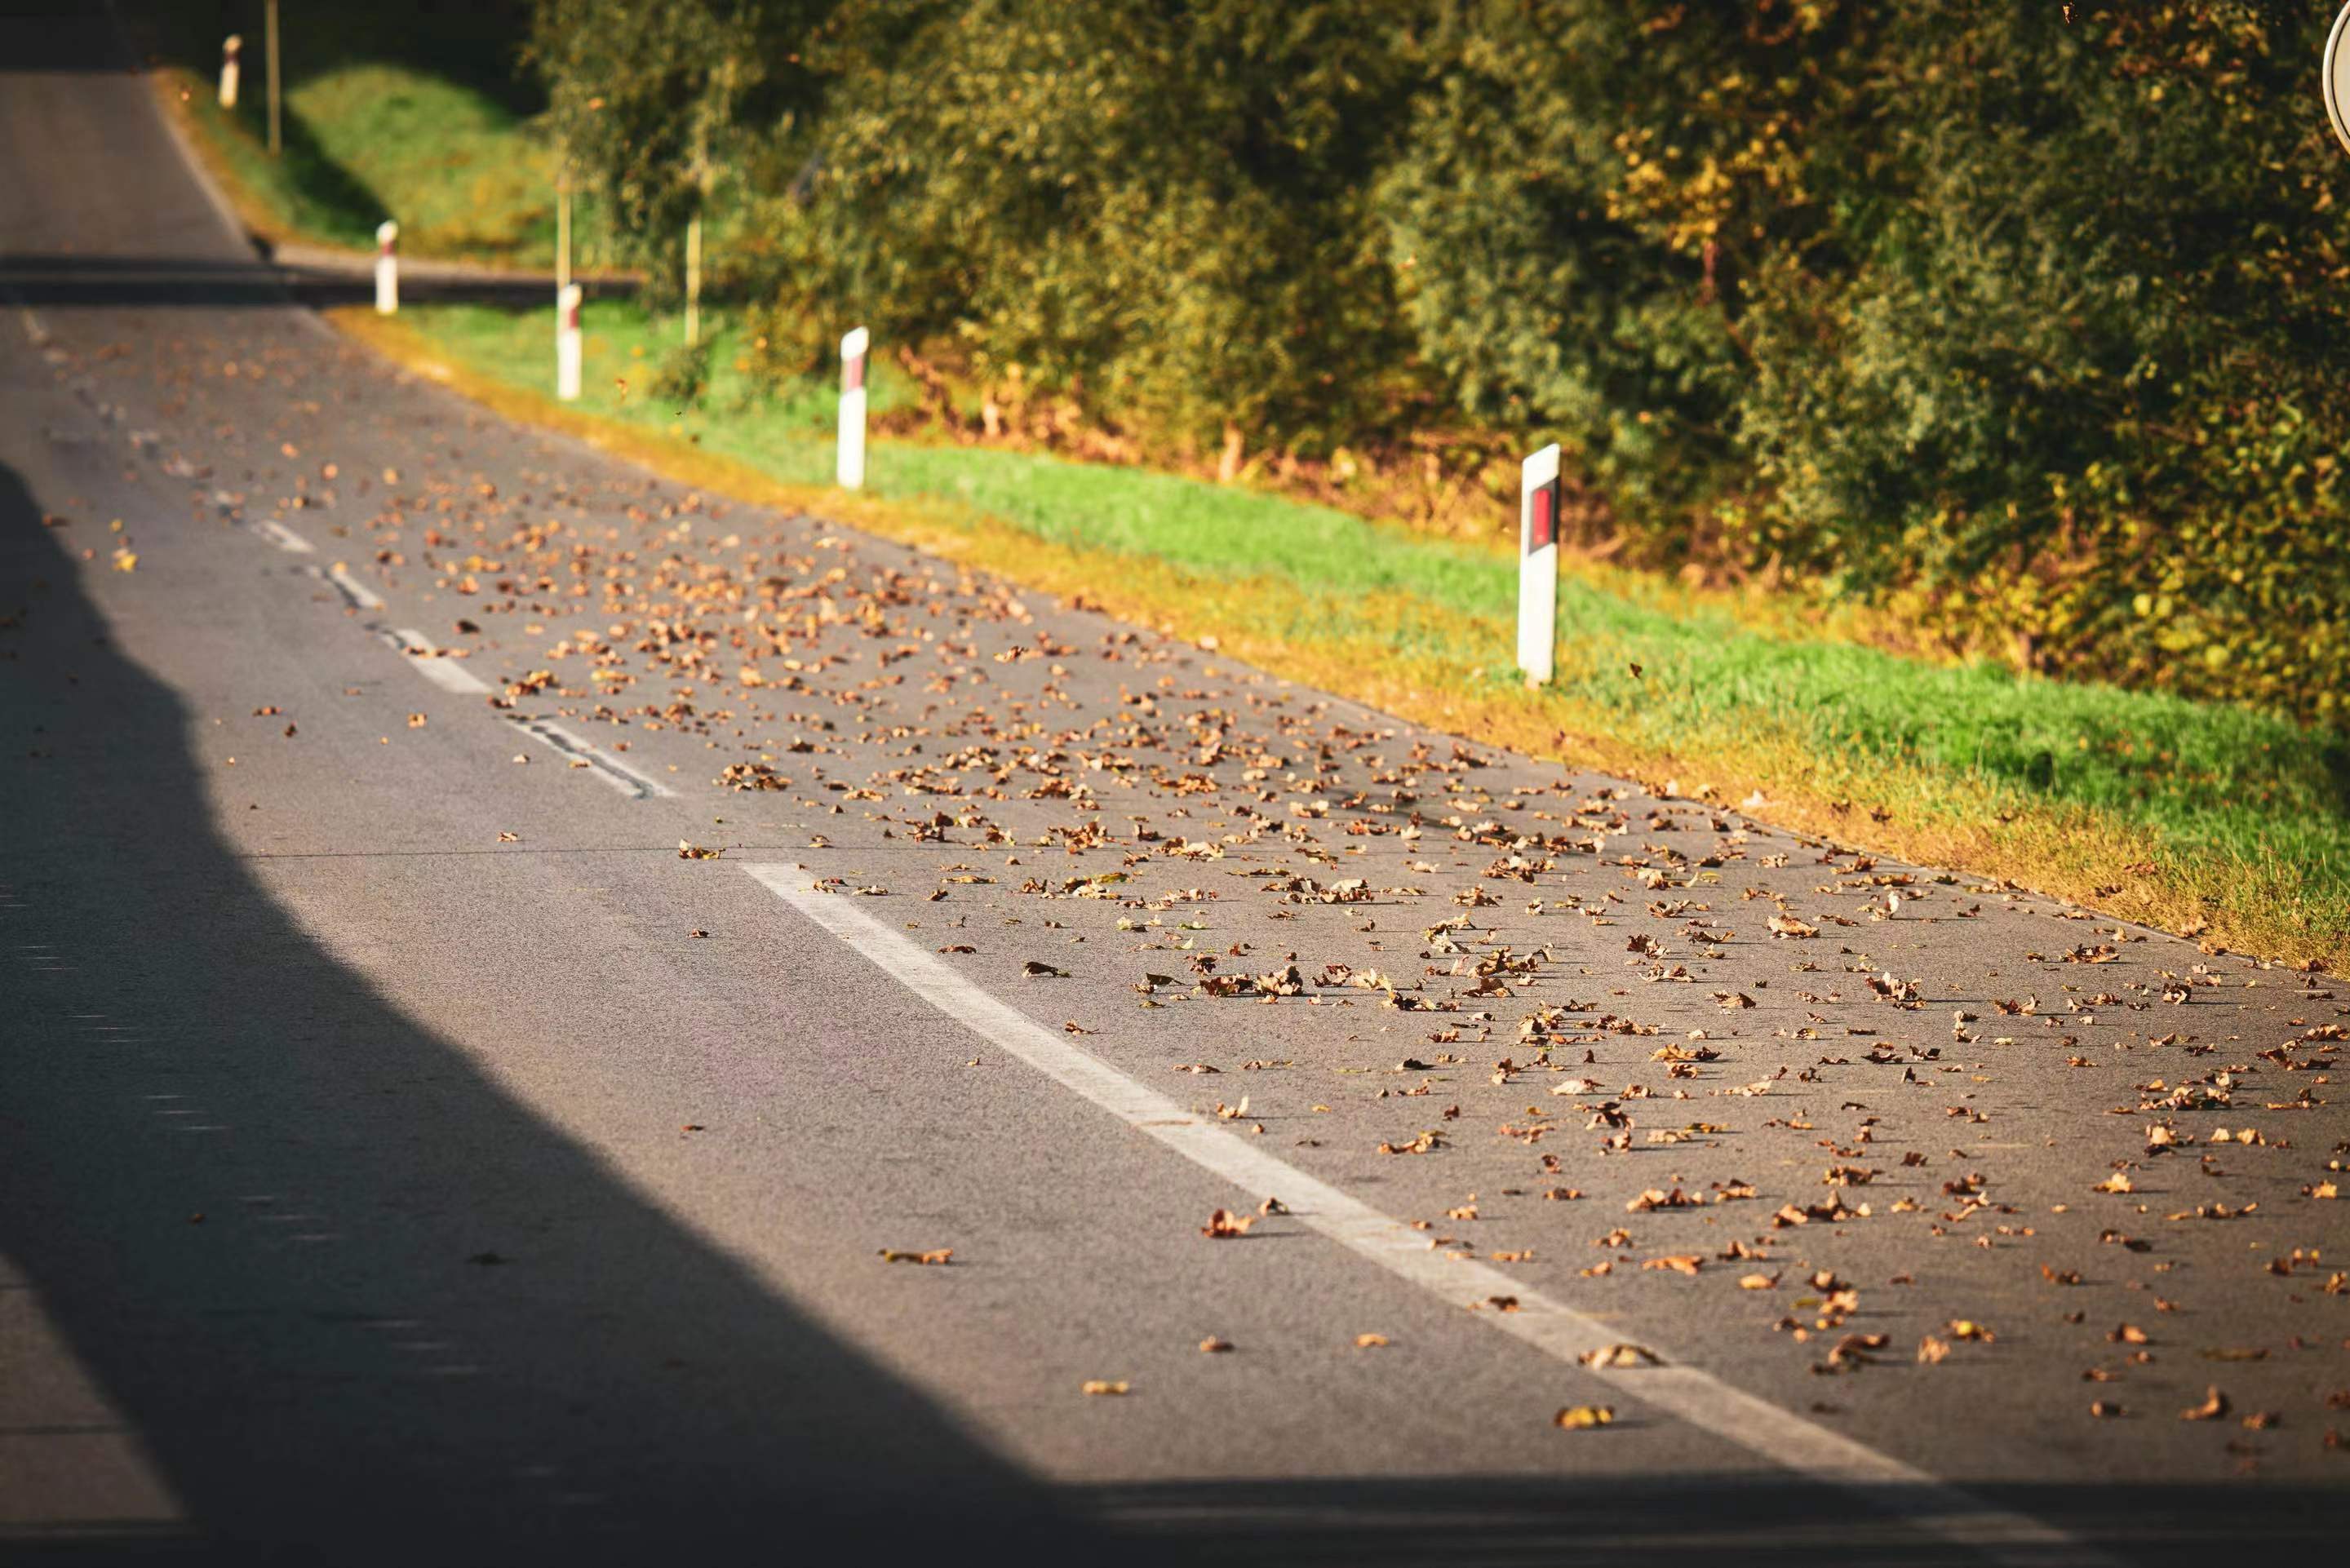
414 1323
1705 1519
136 283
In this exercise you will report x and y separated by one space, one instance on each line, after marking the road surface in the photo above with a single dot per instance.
443 1111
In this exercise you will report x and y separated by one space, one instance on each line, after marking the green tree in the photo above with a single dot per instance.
1158 210
660 104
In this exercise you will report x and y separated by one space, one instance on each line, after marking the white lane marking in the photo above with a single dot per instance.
618 774
282 536
435 666
360 596
1694 1395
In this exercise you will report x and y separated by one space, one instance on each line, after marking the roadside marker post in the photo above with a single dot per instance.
269 32
230 46
1538 564
563 225
852 409
387 268
566 343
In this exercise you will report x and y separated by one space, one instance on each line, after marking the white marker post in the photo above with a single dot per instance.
566 343
1538 564
852 409
230 46
387 268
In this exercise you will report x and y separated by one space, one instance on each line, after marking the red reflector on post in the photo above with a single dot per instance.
852 374
1543 526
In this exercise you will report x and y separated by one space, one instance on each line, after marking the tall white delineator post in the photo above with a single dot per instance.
230 48
387 268
1538 564
566 343
852 409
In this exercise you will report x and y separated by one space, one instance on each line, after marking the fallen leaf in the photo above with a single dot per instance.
1583 1417
2214 1406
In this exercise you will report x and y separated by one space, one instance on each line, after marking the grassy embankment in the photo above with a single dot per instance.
2201 818
382 118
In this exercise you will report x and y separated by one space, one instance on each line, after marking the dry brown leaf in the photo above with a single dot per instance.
2214 1406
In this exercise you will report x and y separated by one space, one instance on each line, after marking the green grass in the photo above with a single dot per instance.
383 118
2227 786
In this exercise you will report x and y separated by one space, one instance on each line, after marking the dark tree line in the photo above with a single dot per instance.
2026 316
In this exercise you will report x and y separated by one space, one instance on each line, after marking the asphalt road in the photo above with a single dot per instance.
405 1147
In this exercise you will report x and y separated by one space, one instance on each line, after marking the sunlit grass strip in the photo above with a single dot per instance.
2211 871
466 181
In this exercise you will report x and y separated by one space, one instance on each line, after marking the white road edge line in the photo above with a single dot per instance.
1687 1393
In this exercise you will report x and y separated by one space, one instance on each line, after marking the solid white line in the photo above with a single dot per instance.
435 666
1687 1393
282 536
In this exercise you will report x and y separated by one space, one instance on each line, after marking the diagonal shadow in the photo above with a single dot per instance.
618 1388
1709 1519
193 283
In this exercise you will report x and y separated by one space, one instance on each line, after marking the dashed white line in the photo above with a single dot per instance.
358 593
435 665
617 774
1688 1393
430 661
282 536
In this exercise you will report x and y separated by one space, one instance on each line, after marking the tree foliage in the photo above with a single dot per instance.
661 107
2027 317
1163 210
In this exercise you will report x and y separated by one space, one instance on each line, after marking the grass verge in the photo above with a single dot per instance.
443 141
2203 819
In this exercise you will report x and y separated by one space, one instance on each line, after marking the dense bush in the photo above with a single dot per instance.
2023 317
1162 211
